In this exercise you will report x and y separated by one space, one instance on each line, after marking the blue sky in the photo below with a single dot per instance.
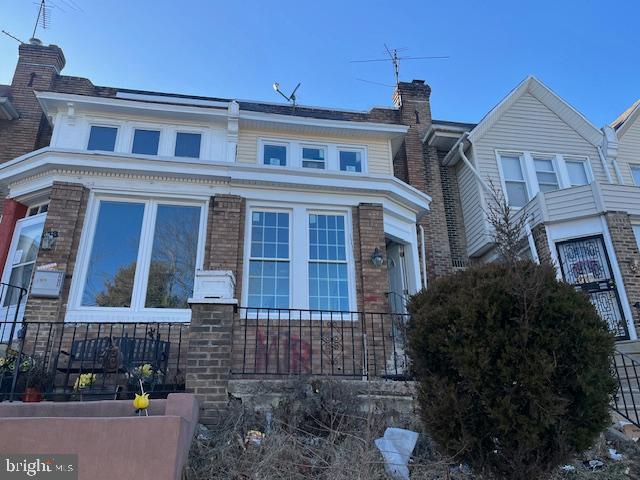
586 51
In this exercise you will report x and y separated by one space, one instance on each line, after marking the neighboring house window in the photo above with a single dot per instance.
35 210
142 255
515 184
546 174
188 145
102 138
274 154
350 160
636 233
577 170
269 260
313 157
635 172
328 272
146 142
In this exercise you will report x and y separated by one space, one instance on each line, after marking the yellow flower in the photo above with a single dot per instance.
84 380
141 402
2 362
147 371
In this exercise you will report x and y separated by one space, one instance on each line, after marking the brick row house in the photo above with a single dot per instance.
263 238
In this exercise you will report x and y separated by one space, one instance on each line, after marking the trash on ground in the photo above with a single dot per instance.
594 464
253 437
568 468
396 446
614 455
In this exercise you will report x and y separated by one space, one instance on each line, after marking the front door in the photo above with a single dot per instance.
585 264
18 271
397 271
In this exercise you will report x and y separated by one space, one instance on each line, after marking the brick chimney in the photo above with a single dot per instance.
418 165
38 66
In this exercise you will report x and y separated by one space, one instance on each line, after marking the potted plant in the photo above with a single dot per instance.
35 380
85 386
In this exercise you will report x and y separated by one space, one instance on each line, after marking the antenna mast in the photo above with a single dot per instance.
41 18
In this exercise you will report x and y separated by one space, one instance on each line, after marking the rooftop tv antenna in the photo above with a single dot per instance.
12 36
395 59
290 98
44 17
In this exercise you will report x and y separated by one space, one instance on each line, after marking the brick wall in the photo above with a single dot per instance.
66 214
626 249
453 212
541 241
420 168
372 283
209 357
224 249
37 69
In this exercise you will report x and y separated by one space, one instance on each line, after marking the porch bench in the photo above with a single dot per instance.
88 356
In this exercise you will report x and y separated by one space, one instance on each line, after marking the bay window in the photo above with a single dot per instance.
298 258
142 254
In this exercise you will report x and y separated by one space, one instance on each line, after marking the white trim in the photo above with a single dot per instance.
137 311
299 248
547 97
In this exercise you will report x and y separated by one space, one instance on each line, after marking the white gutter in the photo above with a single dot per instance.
423 253
603 161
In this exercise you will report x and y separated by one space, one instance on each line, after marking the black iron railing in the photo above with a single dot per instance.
307 342
626 402
77 361
12 299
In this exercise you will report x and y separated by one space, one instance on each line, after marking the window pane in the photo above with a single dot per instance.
350 161
516 194
275 155
547 179
313 157
269 279
173 256
188 145
511 168
102 138
635 171
112 263
328 280
146 142
577 173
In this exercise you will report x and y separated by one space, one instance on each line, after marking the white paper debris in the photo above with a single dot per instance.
614 455
568 468
396 446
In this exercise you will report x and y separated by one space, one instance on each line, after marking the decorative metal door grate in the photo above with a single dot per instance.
585 264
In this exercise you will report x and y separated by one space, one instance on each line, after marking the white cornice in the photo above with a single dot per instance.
47 160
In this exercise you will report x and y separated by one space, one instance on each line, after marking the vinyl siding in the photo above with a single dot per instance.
530 126
472 212
629 151
378 150
571 203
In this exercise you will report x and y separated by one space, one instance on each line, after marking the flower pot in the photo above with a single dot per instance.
32 394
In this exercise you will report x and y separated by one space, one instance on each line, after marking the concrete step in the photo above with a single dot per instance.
630 347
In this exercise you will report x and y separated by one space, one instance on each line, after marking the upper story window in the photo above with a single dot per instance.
546 174
514 180
524 174
274 154
314 157
102 138
188 145
578 172
37 209
350 160
635 172
145 141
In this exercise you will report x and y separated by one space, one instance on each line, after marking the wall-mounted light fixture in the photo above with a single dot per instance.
49 240
376 258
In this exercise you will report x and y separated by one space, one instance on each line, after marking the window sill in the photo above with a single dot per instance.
124 315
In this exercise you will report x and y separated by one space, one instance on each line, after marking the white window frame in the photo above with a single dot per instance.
632 167
174 143
299 252
155 128
279 143
554 164
92 124
523 169
316 146
137 312
529 171
294 154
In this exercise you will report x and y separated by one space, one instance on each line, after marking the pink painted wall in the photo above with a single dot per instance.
111 442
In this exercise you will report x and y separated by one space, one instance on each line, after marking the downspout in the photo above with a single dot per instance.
423 254
603 161
470 165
